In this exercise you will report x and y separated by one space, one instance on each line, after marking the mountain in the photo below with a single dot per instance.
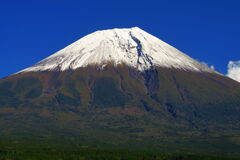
122 88
132 47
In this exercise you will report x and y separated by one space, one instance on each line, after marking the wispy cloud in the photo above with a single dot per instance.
210 66
234 70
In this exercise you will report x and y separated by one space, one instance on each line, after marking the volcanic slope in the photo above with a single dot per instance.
122 88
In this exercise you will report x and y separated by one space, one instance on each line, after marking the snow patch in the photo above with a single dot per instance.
131 46
234 70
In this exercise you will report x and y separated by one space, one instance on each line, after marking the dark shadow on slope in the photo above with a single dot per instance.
171 110
146 106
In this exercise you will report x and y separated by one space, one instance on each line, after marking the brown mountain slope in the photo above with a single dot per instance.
120 106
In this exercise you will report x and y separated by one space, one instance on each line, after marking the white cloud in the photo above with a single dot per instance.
210 66
234 70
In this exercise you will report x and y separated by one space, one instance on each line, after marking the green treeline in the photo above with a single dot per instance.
94 154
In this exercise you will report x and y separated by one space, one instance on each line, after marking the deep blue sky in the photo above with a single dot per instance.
207 30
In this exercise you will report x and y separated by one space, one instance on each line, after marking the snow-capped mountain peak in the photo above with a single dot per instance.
131 46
